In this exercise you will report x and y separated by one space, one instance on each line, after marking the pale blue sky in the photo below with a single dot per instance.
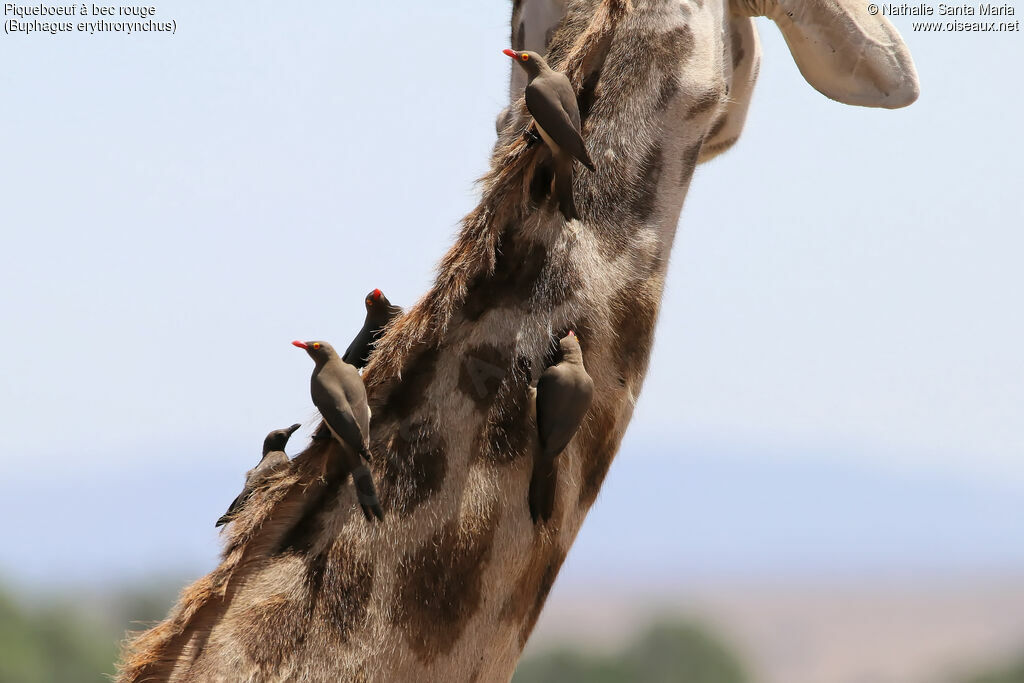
846 283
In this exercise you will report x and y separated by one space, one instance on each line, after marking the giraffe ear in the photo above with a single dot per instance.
843 50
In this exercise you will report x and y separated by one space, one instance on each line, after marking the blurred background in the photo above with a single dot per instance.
830 440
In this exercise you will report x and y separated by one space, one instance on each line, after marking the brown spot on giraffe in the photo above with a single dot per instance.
303 534
415 460
559 282
667 91
439 587
518 264
323 495
409 393
717 127
273 627
599 442
508 430
593 66
530 591
673 48
704 102
339 587
646 194
634 314
690 157
736 44
481 372
653 54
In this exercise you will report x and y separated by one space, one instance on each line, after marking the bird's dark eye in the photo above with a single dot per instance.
525 58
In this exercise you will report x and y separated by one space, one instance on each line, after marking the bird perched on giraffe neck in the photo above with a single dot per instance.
564 394
338 393
274 459
379 312
551 101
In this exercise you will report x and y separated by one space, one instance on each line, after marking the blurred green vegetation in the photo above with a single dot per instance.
1012 674
669 652
71 641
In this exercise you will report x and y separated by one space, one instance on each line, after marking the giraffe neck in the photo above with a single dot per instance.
450 585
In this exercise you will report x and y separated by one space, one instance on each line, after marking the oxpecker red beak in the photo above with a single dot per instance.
301 345
511 53
571 333
376 294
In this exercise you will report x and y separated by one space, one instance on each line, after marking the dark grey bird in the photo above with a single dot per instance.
551 100
340 396
274 458
564 394
379 312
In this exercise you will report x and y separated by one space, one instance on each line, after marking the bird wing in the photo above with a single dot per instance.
567 96
546 108
359 350
561 405
337 413
270 463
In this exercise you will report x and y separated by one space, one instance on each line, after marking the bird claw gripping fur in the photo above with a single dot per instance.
531 137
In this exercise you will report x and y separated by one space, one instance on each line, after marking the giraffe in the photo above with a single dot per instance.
450 585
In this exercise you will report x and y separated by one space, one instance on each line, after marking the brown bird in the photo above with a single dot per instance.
379 312
564 394
551 101
340 396
274 458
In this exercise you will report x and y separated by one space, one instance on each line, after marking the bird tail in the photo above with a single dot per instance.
543 483
366 493
563 187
